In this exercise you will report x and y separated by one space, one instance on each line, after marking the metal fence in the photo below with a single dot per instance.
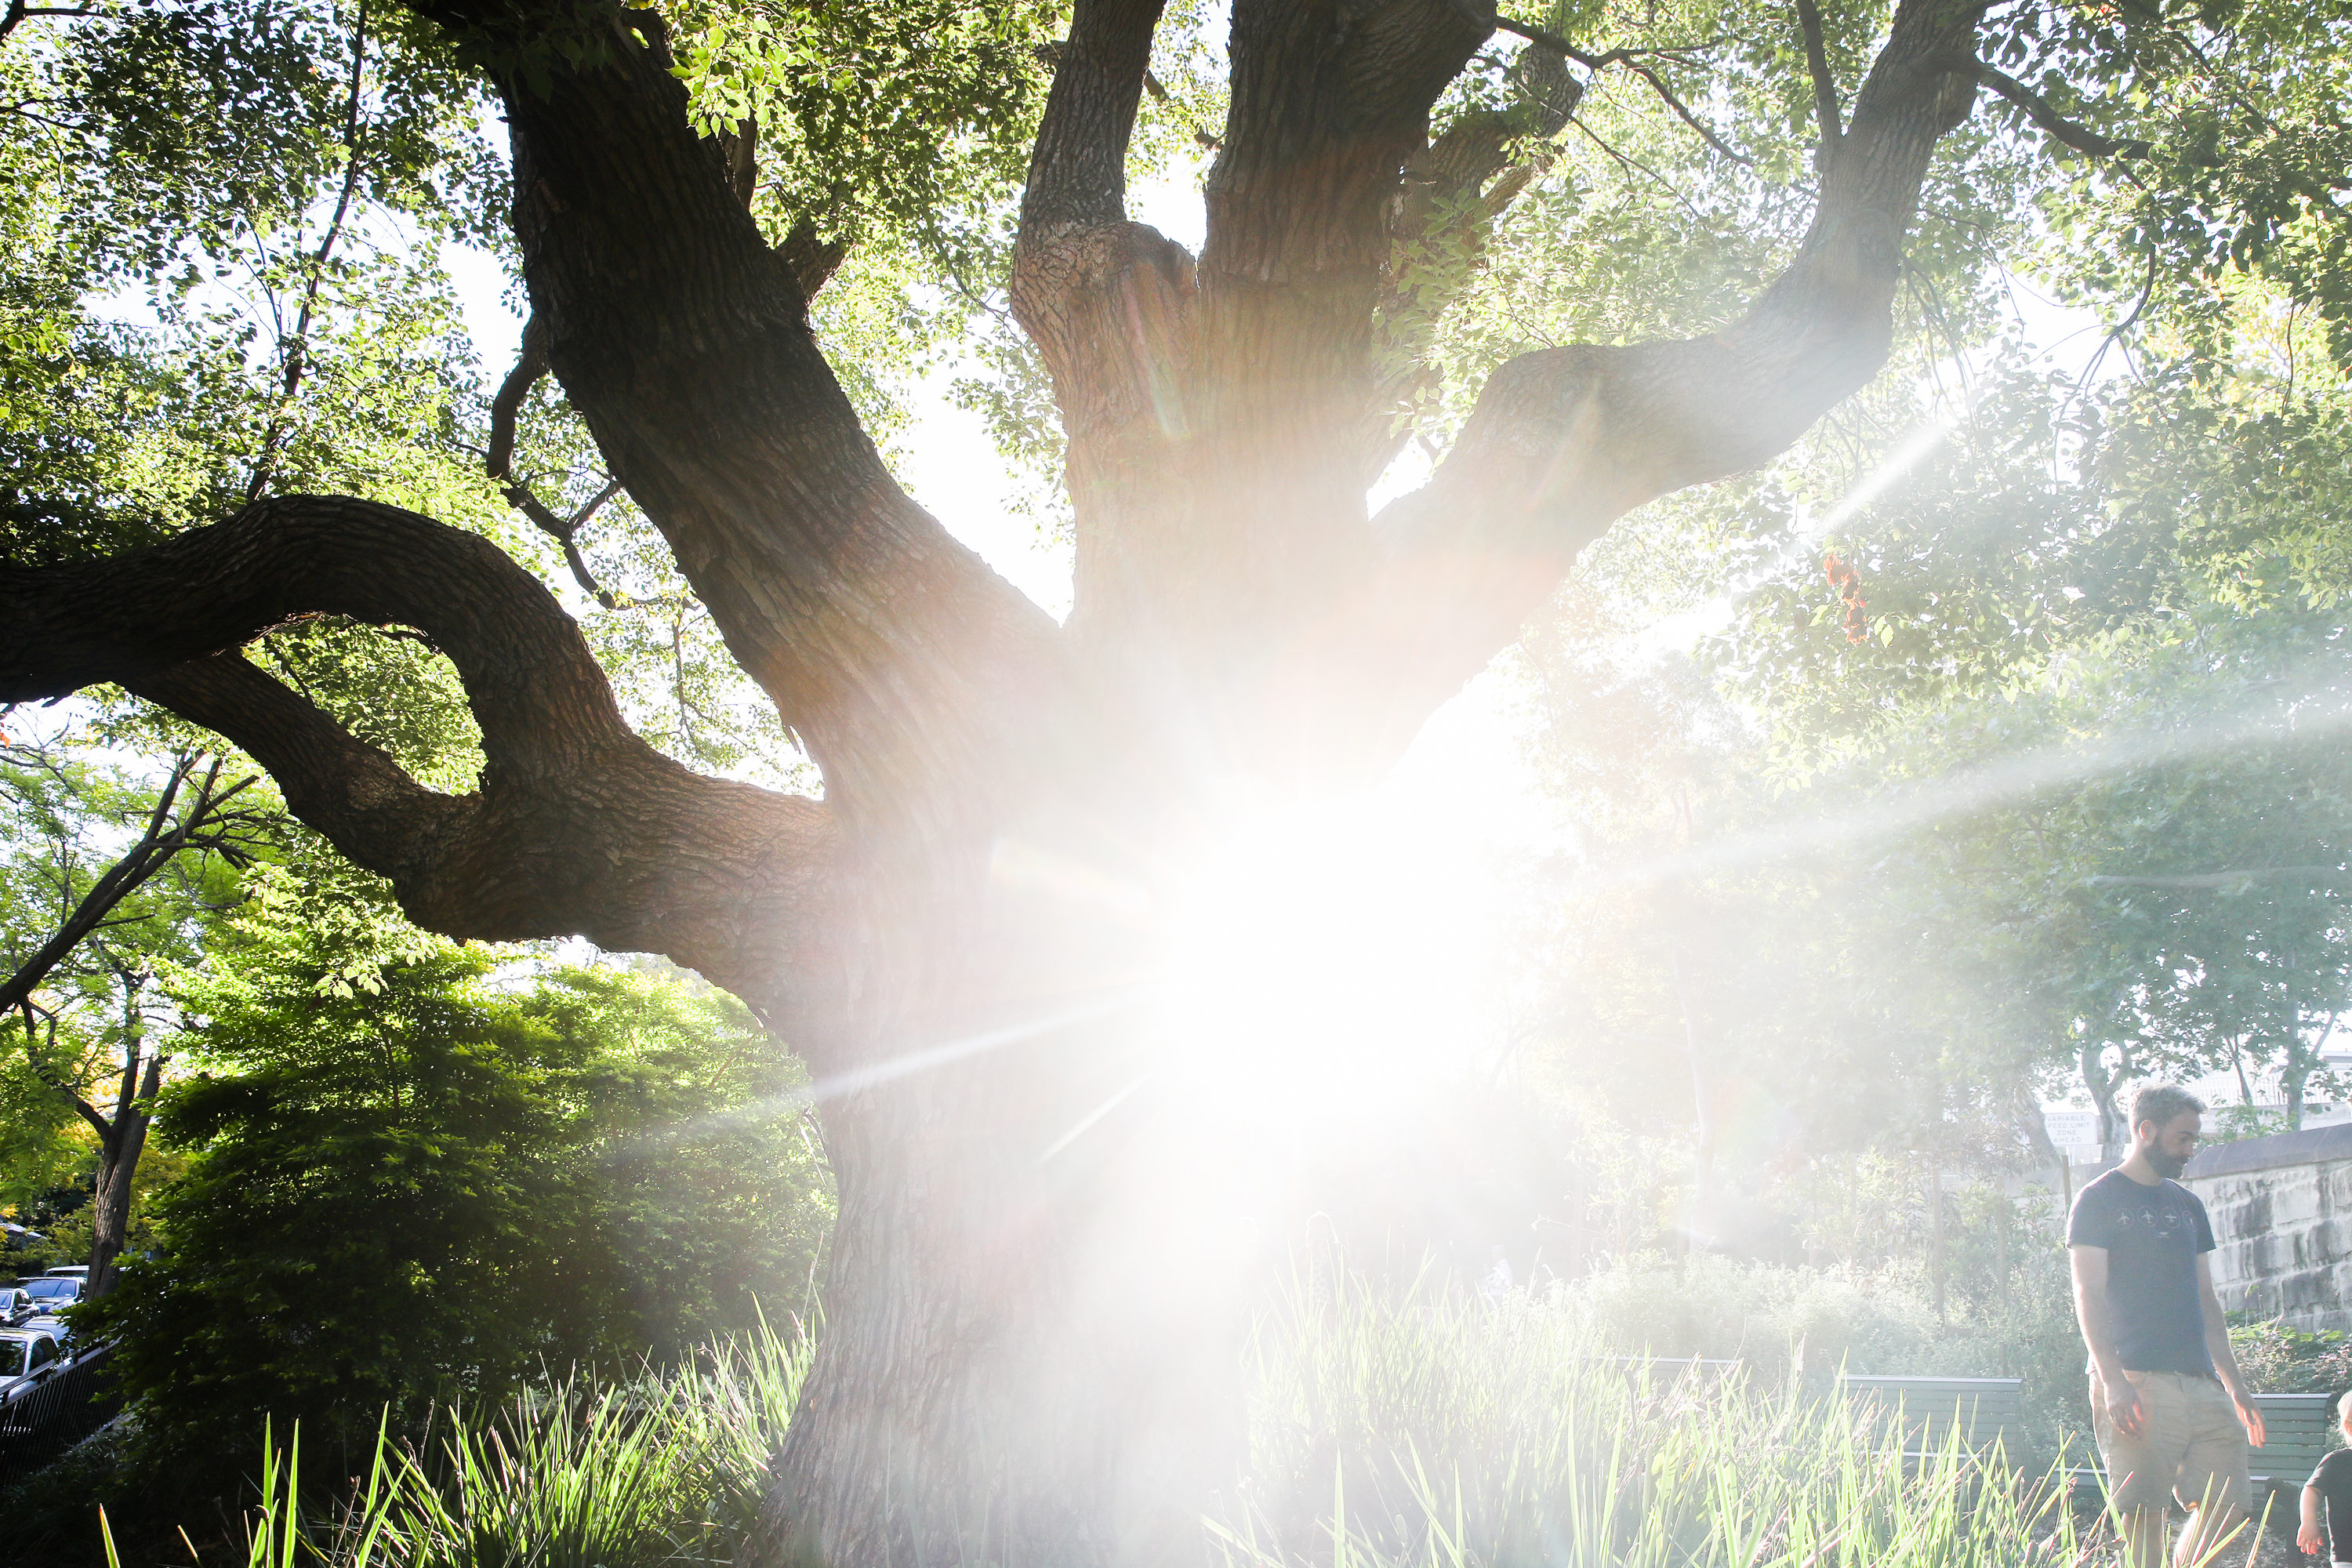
39 1423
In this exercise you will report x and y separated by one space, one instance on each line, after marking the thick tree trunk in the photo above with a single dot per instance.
117 1166
120 1149
1032 1337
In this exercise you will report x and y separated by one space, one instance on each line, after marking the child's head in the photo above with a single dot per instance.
2344 1413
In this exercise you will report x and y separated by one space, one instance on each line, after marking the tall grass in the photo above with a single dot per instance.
1390 1430
1418 1431
657 1470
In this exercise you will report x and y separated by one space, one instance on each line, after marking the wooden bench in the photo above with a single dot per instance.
1985 1410
2294 1430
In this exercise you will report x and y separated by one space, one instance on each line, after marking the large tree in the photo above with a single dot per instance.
1022 1342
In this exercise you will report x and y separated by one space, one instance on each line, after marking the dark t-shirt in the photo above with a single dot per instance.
2333 1481
2153 1236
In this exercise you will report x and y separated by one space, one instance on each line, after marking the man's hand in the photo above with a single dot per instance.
2249 1412
2122 1401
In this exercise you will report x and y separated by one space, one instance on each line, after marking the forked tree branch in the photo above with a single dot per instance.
579 826
1635 60
1563 441
683 340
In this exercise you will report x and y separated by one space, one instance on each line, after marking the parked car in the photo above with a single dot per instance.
69 1272
52 1291
28 1356
56 1328
16 1306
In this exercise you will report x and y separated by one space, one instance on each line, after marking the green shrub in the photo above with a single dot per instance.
2280 1359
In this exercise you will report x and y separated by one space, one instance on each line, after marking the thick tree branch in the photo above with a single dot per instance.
1078 167
1565 440
682 339
1453 191
2061 129
579 827
1103 298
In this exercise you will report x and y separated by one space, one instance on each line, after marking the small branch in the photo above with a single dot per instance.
530 364
1152 85
19 12
2059 129
1687 118
2210 882
1825 92
563 529
1631 59
296 355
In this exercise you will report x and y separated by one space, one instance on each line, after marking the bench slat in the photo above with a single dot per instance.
1987 1407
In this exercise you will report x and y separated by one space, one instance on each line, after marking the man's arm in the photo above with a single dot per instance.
2121 1399
2225 1360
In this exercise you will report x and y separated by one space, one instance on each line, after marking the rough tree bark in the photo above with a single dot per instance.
1020 1352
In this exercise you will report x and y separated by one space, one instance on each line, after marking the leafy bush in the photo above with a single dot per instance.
428 1194
2280 1359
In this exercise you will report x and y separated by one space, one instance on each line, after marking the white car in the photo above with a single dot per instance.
28 1356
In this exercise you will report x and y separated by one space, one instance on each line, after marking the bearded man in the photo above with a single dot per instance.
2171 1411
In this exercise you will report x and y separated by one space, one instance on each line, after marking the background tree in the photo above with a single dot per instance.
439 1187
88 939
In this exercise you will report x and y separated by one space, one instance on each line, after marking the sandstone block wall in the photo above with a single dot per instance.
2282 1211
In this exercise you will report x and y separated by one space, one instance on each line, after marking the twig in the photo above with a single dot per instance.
1631 59
2060 128
1631 162
296 354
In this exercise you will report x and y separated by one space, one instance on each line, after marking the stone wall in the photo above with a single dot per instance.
2282 1210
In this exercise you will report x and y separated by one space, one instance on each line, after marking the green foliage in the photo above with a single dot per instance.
2278 1358
425 1188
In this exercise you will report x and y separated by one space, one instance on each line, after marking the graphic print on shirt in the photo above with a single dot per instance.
2151 1236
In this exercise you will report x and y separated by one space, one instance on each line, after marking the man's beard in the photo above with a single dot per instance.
2166 1165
